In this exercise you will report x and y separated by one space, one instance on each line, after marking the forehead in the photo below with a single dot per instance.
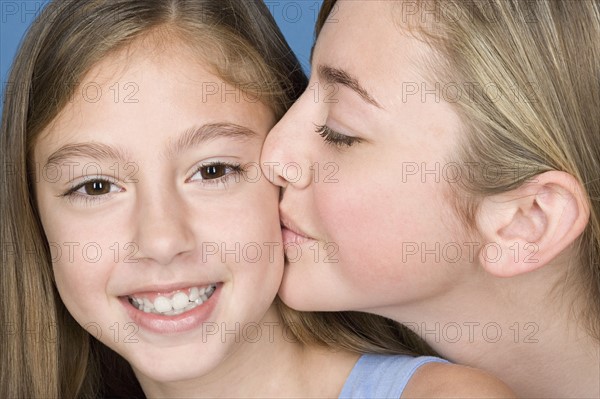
370 40
151 93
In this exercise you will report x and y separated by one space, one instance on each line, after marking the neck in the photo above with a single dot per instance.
274 366
529 338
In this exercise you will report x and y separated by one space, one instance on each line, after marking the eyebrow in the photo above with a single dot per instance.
339 76
188 139
195 136
92 150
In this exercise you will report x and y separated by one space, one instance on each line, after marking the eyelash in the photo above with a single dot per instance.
334 138
236 170
73 195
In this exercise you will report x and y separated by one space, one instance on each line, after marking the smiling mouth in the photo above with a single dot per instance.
175 304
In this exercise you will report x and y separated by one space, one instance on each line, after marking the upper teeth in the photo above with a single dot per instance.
179 303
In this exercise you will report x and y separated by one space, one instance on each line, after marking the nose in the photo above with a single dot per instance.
286 159
162 230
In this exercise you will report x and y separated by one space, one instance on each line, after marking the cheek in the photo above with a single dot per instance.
81 277
82 266
82 289
82 254
250 219
372 222
249 230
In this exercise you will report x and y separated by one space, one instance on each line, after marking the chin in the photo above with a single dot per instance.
170 368
302 300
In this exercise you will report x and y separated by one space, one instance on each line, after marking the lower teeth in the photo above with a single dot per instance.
192 304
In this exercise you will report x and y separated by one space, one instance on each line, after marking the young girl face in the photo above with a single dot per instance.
372 193
164 235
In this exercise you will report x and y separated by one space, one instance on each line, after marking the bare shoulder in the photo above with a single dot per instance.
442 380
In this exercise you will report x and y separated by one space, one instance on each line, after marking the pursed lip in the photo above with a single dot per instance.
288 224
291 234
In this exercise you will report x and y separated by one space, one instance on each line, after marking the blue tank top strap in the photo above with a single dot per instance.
382 376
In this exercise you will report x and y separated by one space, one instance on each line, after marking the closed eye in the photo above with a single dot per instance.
334 138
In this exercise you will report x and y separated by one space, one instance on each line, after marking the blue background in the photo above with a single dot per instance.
296 20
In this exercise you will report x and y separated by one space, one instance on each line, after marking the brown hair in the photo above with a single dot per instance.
543 58
355 332
240 40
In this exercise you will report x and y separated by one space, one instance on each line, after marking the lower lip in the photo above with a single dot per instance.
173 324
290 237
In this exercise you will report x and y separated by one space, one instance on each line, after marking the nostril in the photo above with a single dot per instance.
272 170
281 193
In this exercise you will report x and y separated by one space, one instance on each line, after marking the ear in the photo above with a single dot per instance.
524 229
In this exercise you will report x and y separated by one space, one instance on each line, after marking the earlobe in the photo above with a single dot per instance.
526 228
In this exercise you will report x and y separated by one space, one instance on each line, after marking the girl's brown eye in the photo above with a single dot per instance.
91 190
213 171
97 187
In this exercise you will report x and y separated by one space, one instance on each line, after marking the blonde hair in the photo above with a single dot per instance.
47 354
542 58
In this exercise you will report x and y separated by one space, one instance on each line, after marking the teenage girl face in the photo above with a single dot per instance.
164 235
367 196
